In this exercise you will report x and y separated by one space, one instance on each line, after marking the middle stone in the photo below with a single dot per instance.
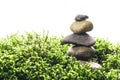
83 39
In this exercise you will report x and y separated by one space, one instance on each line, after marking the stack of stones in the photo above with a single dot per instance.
82 42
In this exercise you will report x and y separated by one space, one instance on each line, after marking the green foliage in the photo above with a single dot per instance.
108 55
40 57
103 48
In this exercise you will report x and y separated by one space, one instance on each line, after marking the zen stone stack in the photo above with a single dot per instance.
82 42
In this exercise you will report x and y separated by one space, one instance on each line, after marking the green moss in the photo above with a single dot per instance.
40 57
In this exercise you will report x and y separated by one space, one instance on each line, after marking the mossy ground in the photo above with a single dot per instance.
40 57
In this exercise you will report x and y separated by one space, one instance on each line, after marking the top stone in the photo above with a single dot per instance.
81 17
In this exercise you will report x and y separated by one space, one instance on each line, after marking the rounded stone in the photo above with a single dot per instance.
93 65
81 52
81 17
81 26
79 39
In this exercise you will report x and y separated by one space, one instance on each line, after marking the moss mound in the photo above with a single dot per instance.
40 57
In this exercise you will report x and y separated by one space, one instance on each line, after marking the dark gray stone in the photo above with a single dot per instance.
81 17
79 39
81 52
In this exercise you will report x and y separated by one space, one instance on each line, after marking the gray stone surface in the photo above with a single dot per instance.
81 52
93 65
81 17
81 26
79 39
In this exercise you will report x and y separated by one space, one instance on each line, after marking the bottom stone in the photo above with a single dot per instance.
81 52
91 64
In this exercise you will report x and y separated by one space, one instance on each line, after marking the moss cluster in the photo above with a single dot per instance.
40 57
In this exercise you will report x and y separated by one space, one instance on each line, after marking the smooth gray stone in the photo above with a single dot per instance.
81 17
79 39
93 65
81 52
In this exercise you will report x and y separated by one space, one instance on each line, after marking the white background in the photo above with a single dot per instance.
56 16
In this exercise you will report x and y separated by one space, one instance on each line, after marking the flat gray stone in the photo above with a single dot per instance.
81 52
79 39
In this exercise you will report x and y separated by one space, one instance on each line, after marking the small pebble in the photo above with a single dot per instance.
81 17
